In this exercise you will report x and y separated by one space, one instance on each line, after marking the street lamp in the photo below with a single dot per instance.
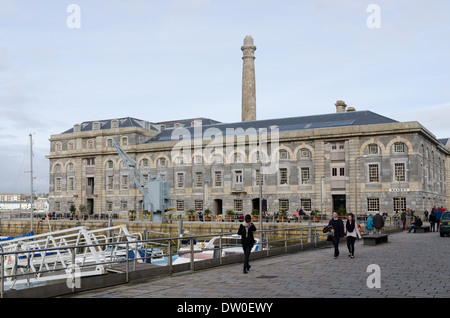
356 186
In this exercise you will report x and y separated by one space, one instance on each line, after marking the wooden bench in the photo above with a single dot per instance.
374 239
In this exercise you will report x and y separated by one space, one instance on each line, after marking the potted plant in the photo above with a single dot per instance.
191 215
72 210
282 215
255 215
132 215
315 214
207 215
342 212
230 215
82 208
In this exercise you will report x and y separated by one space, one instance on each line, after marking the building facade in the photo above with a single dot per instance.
352 159
357 160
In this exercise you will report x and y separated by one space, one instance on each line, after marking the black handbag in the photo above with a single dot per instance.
330 237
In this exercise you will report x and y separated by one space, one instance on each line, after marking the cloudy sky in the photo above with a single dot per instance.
175 59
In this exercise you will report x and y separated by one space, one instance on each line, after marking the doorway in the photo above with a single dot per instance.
255 204
90 206
217 206
339 202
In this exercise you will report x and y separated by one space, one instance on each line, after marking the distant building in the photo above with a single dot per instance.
13 201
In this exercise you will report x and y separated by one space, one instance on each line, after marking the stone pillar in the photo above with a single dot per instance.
248 80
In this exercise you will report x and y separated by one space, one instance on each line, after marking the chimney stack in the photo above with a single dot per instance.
340 106
248 80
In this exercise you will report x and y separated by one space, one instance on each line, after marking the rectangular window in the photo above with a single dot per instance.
109 206
110 183
283 176
304 174
198 205
123 205
57 206
180 205
373 149
399 147
238 205
373 173
198 179
342 172
373 204
58 184
399 204
399 170
334 172
305 204
217 178
125 182
180 180
283 204
71 184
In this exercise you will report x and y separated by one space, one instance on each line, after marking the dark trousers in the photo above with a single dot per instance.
351 244
336 245
247 249
433 224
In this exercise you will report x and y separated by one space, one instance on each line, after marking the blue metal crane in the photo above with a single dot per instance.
156 192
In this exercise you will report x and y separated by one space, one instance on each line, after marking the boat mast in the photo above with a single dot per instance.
31 181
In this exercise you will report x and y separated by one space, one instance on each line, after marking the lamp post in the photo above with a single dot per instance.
260 187
356 186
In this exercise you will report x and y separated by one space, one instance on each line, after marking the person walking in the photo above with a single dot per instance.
369 224
433 219
438 218
352 232
246 230
403 219
378 222
338 232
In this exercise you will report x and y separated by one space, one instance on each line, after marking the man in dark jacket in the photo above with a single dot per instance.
417 223
378 222
246 230
338 232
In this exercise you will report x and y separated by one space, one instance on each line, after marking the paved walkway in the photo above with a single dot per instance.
411 265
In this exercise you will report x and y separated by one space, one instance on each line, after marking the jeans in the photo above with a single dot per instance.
247 249
336 245
351 244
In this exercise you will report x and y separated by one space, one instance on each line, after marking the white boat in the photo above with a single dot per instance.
231 244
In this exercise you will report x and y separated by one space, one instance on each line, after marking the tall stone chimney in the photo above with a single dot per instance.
340 106
248 80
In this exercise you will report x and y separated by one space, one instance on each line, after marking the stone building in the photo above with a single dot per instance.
345 159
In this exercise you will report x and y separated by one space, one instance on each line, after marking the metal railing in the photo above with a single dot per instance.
272 239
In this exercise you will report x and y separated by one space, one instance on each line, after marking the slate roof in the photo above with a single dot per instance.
445 141
354 118
106 124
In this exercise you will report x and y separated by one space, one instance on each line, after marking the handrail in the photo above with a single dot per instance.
292 234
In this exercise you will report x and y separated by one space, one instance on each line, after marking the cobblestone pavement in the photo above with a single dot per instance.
410 265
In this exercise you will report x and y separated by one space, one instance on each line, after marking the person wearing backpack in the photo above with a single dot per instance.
417 223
